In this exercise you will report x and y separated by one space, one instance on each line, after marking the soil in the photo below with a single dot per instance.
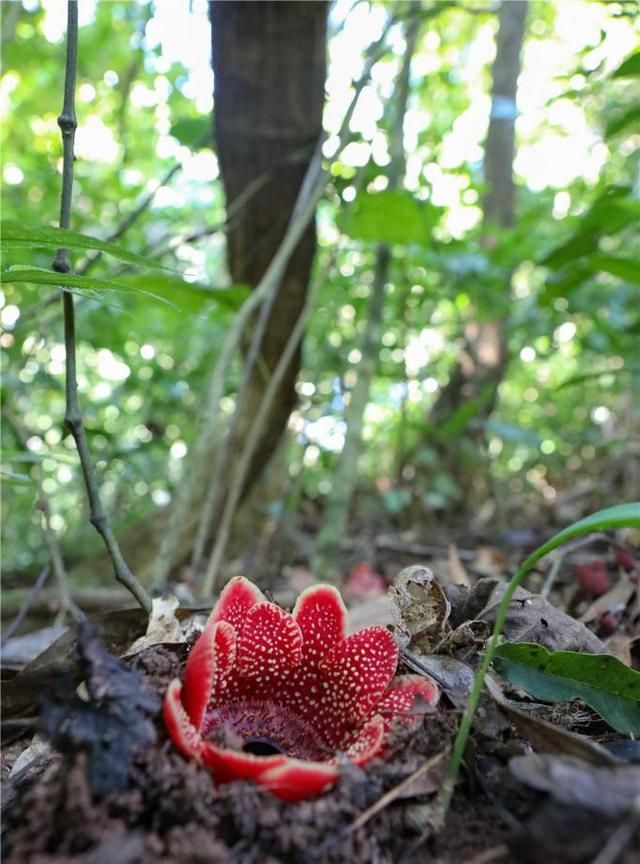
171 812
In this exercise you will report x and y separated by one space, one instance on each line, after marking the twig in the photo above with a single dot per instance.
131 217
48 600
560 556
495 853
50 536
35 589
617 841
325 563
392 794
73 419
67 603
244 462
310 192
417 550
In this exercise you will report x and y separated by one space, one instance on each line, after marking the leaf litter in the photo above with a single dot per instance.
162 808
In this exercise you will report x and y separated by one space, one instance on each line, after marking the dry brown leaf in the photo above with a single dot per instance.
547 737
421 609
163 626
614 600
458 571
609 790
531 618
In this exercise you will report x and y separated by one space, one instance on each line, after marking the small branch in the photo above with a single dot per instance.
131 217
50 536
309 195
62 264
47 600
326 562
390 796
67 604
29 600
242 466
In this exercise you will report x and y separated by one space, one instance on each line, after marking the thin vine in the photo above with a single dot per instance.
62 264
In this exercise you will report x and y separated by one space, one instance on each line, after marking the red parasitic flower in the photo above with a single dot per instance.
278 698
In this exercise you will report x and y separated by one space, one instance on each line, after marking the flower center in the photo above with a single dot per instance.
261 747
262 728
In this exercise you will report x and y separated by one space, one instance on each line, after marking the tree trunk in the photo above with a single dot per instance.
270 66
483 360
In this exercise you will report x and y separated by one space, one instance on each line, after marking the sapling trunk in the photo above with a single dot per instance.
326 563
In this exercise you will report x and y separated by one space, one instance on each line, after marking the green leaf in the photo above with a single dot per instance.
575 247
191 297
40 276
621 121
511 432
589 376
627 269
195 132
620 516
392 216
629 67
16 233
602 681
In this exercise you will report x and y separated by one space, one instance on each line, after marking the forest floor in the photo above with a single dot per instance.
112 787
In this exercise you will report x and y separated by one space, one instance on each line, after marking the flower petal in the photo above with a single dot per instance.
369 741
227 765
321 616
401 697
237 597
358 671
295 780
182 731
211 657
270 643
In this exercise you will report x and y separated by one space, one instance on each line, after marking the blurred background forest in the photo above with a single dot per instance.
469 371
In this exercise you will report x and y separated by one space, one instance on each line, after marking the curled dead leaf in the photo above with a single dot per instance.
609 790
421 609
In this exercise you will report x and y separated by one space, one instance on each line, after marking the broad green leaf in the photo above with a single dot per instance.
627 269
602 681
629 67
195 132
611 212
40 276
614 210
16 233
622 121
191 297
188 297
589 376
392 216
575 247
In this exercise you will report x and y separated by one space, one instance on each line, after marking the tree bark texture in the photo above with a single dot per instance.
483 360
269 62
